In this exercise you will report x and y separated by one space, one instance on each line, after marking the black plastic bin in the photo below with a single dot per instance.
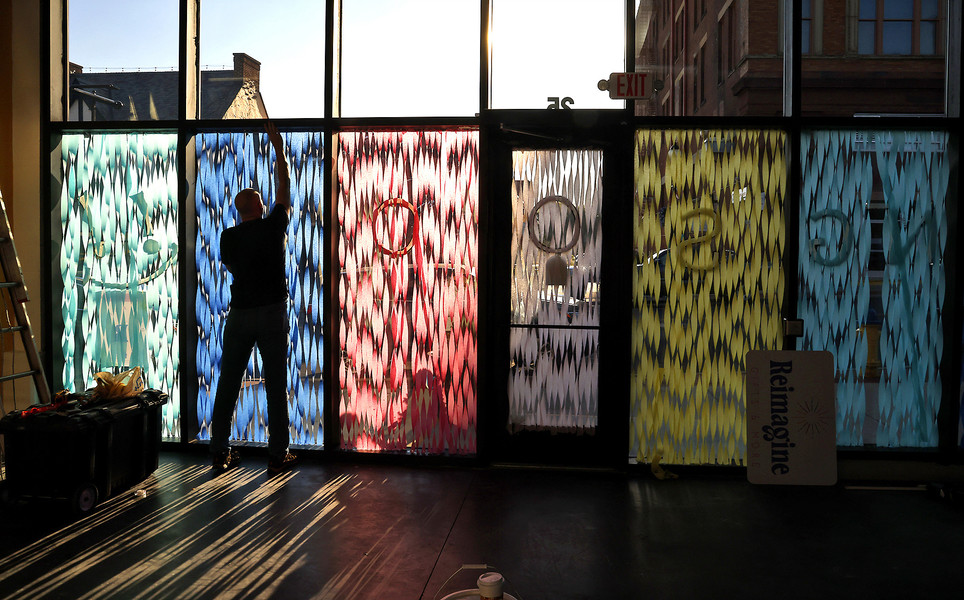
82 453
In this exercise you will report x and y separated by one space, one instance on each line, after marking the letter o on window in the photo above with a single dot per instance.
395 252
567 245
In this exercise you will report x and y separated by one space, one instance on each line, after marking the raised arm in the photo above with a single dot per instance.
282 195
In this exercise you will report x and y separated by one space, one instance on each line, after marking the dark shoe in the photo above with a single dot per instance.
283 463
228 459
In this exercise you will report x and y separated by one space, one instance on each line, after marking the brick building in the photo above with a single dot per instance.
725 57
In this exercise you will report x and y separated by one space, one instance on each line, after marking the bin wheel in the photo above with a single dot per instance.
84 498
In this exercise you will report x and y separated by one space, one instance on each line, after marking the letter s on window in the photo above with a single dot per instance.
707 237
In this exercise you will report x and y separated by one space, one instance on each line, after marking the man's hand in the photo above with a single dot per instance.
282 179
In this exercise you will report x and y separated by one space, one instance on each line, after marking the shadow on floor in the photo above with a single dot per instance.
362 531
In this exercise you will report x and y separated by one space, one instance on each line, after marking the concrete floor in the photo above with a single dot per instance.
347 531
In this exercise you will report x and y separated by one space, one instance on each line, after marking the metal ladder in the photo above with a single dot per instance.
13 284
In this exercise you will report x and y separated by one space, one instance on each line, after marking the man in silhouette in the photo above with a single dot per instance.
254 252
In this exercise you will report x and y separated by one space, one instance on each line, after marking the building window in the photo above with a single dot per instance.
678 29
929 16
702 74
698 12
665 60
697 78
898 27
721 44
731 47
811 24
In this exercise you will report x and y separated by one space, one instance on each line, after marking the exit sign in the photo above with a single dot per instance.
628 86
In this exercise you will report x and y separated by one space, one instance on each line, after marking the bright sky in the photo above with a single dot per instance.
399 57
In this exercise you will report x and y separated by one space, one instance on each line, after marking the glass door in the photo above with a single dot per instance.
556 249
551 200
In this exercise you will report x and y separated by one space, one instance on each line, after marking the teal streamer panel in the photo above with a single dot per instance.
872 280
227 163
118 261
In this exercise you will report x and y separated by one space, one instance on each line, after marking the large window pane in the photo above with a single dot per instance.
118 258
708 286
408 292
227 163
746 75
867 37
260 59
887 58
897 37
554 302
928 38
412 58
899 9
872 281
553 54
117 73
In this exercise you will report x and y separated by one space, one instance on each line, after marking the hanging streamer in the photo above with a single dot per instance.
875 300
408 290
228 163
118 261
708 286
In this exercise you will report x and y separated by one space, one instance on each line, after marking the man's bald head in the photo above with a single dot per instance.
249 204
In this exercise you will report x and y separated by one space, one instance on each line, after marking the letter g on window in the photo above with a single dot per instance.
846 238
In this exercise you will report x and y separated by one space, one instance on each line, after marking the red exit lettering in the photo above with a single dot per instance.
628 85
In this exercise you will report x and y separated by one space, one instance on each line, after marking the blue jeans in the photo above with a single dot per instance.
266 326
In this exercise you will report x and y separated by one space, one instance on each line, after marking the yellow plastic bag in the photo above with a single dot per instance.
122 385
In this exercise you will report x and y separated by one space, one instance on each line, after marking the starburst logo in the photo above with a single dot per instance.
811 419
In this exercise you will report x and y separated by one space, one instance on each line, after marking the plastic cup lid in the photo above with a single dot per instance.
490 584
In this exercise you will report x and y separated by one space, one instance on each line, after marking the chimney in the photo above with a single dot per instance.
247 68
